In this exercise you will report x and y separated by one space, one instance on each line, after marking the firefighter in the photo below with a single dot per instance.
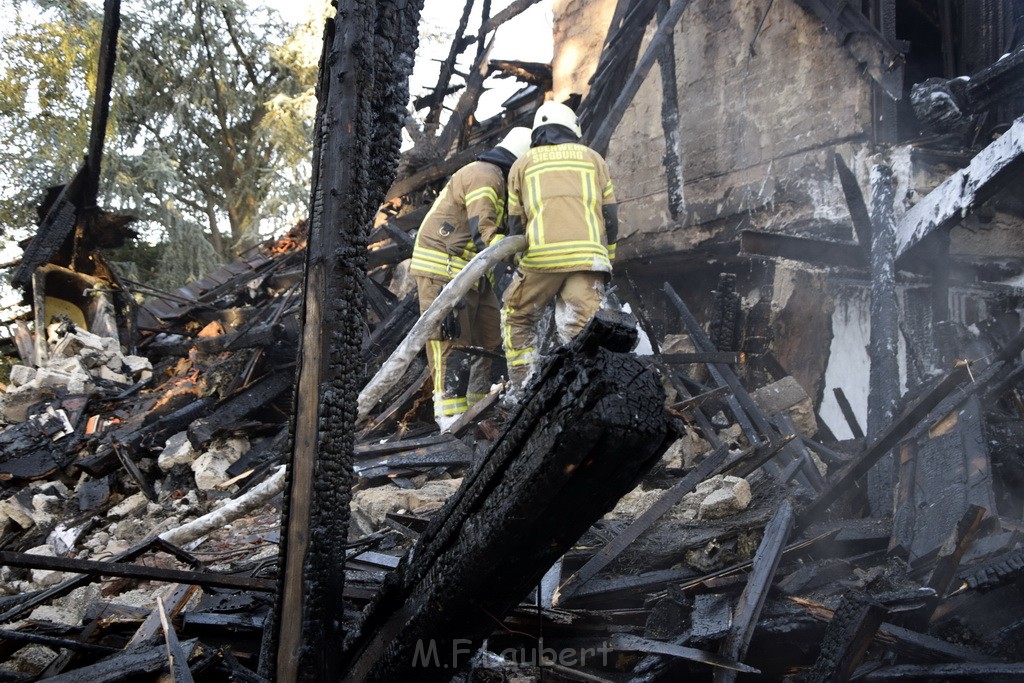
560 195
466 217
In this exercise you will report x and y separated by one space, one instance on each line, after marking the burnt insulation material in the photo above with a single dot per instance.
362 91
587 428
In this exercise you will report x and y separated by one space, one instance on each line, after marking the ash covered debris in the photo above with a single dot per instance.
693 511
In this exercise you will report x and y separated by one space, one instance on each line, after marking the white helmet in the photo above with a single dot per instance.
517 141
553 112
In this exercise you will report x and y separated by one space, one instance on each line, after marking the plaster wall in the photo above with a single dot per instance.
758 130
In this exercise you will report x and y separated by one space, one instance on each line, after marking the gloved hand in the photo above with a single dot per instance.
451 328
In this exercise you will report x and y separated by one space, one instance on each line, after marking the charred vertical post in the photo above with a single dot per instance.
101 105
884 381
673 159
363 72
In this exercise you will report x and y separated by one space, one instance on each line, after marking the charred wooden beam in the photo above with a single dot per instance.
805 249
748 609
362 95
624 641
587 427
948 561
946 672
618 58
54 229
950 472
662 34
964 191
235 409
101 103
125 666
744 407
855 203
133 571
847 410
948 104
670 123
847 638
905 642
883 346
80 194
710 466
177 660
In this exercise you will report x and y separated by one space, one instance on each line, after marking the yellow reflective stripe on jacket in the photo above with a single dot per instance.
448 407
432 262
611 252
490 194
608 189
581 254
536 209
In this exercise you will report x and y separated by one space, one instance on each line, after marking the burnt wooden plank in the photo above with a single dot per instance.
177 659
54 642
234 409
708 467
588 425
883 345
848 414
946 672
948 561
805 249
964 191
123 666
133 571
625 641
951 473
743 407
854 203
748 608
847 638
177 597
662 34
903 641
670 123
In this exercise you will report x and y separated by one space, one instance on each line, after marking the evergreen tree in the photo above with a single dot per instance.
210 127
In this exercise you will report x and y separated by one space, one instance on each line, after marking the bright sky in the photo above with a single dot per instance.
526 38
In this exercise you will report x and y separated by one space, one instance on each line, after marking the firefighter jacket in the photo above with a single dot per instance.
560 192
463 220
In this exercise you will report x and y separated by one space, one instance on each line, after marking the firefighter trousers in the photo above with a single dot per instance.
577 297
460 378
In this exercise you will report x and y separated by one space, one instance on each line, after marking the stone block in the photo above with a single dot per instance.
22 375
177 451
49 378
136 364
211 468
130 506
45 577
111 376
787 395
724 497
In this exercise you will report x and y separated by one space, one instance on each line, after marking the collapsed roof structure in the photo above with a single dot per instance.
822 482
